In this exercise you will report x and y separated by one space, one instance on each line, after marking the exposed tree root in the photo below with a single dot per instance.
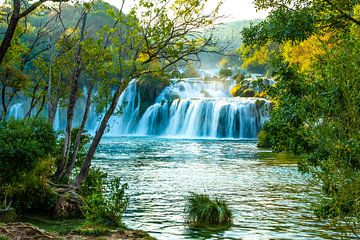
23 231
69 201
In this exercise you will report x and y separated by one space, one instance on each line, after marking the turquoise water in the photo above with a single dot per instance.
270 199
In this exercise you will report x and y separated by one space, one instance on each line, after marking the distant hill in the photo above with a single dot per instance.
227 33
232 31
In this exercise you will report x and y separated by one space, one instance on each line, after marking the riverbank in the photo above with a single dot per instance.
43 227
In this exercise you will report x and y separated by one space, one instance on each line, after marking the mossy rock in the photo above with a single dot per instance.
150 87
237 90
249 93
260 103
262 94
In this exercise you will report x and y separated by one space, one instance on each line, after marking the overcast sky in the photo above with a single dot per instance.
235 9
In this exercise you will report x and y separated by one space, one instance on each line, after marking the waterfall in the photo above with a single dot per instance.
188 108
16 111
214 118
56 124
191 108
127 115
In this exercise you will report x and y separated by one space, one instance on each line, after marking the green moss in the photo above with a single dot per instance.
55 225
93 231
202 211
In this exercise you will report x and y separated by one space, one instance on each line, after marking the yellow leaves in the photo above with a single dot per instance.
143 57
251 55
305 53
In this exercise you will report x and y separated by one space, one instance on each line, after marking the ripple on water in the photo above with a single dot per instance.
268 196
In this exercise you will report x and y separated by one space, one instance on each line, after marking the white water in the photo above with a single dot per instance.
191 109
16 111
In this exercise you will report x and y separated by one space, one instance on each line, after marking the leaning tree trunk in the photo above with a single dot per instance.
99 133
72 101
50 103
80 131
10 31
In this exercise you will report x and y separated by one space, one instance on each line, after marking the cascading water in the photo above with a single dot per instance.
16 111
189 108
192 108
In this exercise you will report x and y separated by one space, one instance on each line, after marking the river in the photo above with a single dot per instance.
269 198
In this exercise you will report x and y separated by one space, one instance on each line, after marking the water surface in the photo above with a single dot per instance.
270 199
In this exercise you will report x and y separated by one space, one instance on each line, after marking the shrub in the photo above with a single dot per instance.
24 143
93 183
202 211
264 141
106 208
26 160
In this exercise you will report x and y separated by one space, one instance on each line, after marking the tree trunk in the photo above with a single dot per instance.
72 101
10 31
42 103
33 101
4 113
99 133
79 133
50 103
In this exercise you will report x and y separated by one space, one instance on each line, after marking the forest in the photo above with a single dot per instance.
161 120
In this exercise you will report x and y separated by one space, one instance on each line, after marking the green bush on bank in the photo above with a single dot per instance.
264 141
106 207
26 160
24 144
202 211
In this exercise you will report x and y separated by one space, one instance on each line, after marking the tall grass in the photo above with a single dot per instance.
202 211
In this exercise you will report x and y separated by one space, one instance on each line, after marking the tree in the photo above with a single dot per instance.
154 32
316 110
16 15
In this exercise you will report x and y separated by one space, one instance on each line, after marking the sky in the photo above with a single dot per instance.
233 9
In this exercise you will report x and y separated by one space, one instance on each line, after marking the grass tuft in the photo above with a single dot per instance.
202 211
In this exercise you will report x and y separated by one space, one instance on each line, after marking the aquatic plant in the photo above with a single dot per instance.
202 211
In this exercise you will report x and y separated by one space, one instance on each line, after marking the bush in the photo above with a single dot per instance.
106 208
26 160
24 143
202 211
264 141
93 183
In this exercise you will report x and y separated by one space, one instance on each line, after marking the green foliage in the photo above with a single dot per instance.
93 183
317 115
225 72
264 141
26 163
106 208
202 211
24 144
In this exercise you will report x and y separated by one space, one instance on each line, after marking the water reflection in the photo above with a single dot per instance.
270 199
